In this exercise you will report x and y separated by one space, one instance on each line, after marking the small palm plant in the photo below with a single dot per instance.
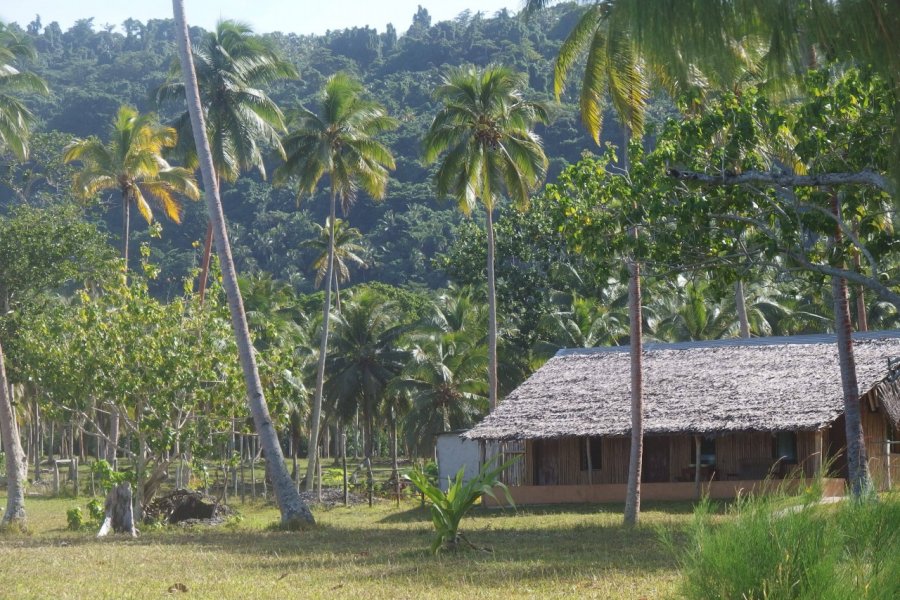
448 508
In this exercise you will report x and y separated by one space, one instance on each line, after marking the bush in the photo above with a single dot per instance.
75 518
768 549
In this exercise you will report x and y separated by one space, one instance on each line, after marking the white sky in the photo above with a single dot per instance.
298 16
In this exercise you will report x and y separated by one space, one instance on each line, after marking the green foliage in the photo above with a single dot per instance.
75 518
107 479
764 550
448 508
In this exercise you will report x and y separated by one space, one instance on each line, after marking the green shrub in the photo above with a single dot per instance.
75 518
770 549
448 508
95 509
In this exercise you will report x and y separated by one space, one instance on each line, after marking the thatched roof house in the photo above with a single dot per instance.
724 410
711 387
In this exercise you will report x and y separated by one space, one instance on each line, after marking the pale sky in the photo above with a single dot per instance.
298 16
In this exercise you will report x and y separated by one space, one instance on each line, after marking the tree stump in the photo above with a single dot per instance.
119 512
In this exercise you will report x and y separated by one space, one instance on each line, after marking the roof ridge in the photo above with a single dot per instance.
819 338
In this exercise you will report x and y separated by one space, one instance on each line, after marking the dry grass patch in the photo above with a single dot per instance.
356 552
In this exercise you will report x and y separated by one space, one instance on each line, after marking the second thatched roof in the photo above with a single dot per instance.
711 388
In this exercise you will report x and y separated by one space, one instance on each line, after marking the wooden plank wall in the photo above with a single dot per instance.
735 452
735 455
875 430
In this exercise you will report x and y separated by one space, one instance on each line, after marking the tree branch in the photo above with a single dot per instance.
866 177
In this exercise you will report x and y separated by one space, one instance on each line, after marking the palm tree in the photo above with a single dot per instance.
14 129
132 163
15 117
366 355
339 143
293 510
347 251
232 66
485 128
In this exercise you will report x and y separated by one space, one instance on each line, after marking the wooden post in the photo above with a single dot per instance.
344 465
697 441
55 478
75 468
319 472
818 459
887 465
587 450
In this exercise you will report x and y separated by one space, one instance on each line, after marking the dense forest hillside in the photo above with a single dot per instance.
92 70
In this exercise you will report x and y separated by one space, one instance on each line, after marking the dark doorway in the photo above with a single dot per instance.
546 462
655 467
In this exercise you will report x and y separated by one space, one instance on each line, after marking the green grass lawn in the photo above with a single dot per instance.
354 552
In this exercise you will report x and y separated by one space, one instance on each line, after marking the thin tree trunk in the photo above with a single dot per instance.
113 445
740 302
204 265
857 463
633 494
316 418
126 225
492 314
15 457
862 318
292 507
38 440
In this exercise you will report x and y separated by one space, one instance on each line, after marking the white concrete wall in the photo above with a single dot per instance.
454 452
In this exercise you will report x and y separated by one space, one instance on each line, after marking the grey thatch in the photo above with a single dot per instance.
711 388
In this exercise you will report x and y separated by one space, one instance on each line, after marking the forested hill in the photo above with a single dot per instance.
93 69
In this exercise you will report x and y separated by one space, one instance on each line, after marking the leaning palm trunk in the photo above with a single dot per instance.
15 458
492 314
293 510
633 493
857 464
312 455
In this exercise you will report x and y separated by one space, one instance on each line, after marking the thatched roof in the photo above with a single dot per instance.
714 387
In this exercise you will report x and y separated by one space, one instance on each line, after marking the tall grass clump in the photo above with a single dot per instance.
776 547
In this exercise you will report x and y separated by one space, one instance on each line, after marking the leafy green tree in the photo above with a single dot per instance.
132 163
293 509
340 143
242 121
485 128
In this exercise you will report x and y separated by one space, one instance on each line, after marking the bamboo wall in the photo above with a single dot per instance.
875 428
559 461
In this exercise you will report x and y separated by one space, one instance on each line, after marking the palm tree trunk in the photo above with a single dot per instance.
293 509
323 351
126 225
857 463
15 457
492 314
633 494
740 303
204 265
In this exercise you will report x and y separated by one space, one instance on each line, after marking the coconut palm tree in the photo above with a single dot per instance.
15 118
338 142
347 251
14 129
132 163
485 128
233 66
366 355
292 508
